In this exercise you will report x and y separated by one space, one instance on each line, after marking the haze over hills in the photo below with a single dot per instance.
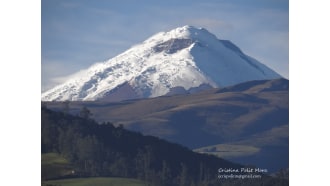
247 123
184 60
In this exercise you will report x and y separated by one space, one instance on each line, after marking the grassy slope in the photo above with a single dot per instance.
101 181
54 166
53 158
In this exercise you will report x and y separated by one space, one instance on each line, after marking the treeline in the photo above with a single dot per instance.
105 150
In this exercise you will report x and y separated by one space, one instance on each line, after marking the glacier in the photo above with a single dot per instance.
186 57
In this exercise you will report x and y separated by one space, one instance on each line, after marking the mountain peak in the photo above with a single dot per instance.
189 30
185 58
184 32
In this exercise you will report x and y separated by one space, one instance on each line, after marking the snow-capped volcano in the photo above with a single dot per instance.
183 59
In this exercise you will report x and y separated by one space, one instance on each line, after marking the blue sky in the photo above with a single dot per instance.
77 33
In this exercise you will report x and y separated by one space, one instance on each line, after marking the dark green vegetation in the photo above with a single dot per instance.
246 123
54 166
75 147
104 150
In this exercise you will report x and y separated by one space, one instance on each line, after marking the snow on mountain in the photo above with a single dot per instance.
184 58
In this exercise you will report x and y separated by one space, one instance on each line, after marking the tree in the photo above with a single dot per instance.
183 177
89 152
67 139
204 175
143 163
121 166
49 134
165 175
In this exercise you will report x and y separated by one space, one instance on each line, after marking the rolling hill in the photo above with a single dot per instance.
251 117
